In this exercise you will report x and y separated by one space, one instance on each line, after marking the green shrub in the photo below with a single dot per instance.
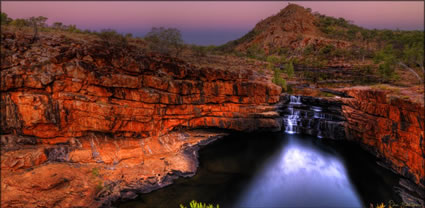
278 80
111 38
256 52
309 50
386 60
261 71
272 61
20 23
5 20
195 204
95 172
99 186
164 40
200 51
289 69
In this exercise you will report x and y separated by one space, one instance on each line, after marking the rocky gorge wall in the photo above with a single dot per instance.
391 127
83 125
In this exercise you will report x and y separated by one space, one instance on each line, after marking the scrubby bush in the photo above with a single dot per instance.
164 40
111 38
57 25
20 23
272 62
200 51
39 21
289 69
386 60
278 80
327 51
5 20
413 55
309 50
256 52
73 29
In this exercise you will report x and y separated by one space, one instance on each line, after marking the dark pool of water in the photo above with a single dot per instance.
279 170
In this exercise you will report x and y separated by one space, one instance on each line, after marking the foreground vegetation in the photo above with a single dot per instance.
195 204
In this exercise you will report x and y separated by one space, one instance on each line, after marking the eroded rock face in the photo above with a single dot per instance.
390 127
83 122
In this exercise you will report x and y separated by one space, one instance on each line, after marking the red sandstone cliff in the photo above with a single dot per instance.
83 124
392 128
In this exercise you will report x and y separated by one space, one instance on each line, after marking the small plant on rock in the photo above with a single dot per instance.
95 172
195 204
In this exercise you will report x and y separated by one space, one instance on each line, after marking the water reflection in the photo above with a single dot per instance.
278 170
300 176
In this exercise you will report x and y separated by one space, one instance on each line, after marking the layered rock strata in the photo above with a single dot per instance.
391 127
84 124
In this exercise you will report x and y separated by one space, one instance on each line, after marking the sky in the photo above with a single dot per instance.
210 22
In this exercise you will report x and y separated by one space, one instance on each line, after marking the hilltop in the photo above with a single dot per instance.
293 28
298 32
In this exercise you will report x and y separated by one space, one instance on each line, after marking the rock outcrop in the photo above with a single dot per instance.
83 124
390 127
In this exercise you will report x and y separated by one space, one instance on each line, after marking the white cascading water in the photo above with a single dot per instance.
317 112
295 100
294 116
310 119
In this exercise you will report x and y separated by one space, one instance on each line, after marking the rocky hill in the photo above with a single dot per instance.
294 28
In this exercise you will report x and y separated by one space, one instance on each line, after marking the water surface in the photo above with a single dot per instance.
279 170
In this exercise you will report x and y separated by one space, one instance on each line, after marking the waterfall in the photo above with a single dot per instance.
295 100
291 120
312 117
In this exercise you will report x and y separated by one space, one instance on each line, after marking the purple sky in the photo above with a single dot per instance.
211 22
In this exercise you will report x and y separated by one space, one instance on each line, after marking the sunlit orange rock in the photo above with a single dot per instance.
87 125
391 126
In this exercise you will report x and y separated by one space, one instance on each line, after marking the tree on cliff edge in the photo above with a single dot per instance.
37 22
5 20
163 40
